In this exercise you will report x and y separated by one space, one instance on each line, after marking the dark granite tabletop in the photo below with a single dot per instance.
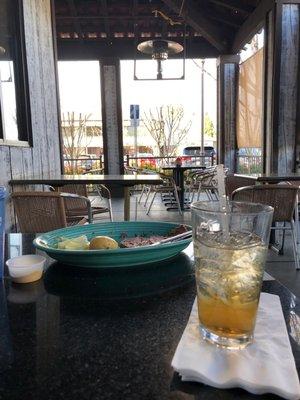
90 335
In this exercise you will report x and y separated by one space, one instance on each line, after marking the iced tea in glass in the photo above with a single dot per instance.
230 253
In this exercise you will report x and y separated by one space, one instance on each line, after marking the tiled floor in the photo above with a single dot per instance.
281 267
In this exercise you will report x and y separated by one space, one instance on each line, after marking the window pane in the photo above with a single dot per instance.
80 102
14 109
170 110
8 100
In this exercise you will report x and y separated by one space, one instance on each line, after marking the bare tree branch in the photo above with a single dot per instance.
166 126
77 135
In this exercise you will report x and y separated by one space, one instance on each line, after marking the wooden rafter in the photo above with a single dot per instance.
72 49
105 12
252 24
226 20
201 23
73 12
233 5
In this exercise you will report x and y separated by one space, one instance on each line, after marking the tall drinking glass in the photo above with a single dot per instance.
2 229
230 252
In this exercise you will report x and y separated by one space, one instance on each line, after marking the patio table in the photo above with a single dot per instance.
178 175
125 181
274 178
64 337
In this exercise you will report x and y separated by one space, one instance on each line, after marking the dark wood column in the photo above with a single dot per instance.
112 116
281 127
228 66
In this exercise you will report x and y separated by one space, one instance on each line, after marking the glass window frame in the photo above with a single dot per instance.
18 50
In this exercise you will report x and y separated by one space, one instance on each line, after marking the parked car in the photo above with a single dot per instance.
84 163
87 161
196 151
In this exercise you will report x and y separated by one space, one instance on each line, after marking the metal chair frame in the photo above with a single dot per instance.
283 212
169 186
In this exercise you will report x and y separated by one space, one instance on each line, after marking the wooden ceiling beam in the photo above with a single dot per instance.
73 12
200 23
70 49
233 5
226 20
109 17
105 12
253 23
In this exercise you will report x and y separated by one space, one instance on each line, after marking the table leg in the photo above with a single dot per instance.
180 182
126 203
178 176
297 219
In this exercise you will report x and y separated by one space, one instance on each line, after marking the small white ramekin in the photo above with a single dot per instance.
25 269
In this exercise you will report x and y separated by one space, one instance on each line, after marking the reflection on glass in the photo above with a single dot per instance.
15 247
8 100
25 294
294 322
6 352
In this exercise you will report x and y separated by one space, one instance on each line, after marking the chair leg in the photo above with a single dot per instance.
208 194
150 205
215 193
295 244
142 192
187 192
147 197
177 201
199 192
297 219
282 241
110 210
193 195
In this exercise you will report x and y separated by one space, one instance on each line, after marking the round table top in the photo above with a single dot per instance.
63 337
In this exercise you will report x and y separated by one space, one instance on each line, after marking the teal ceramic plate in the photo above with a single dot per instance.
122 257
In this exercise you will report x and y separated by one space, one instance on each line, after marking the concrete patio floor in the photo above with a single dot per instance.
281 267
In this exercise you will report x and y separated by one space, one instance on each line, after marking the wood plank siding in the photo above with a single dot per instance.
281 89
227 93
43 156
288 88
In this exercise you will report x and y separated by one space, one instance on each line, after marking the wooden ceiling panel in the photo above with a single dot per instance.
216 21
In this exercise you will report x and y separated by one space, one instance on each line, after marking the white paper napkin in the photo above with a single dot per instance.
266 366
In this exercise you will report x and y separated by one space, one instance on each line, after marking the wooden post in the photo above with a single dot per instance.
112 116
281 126
227 101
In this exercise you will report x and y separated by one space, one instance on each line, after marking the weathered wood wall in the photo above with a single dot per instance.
112 116
227 94
43 158
281 90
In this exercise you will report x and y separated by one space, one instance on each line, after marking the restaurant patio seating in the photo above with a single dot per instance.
76 208
233 182
203 182
168 187
45 211
282 198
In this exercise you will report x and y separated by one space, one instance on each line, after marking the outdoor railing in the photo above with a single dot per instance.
249 164
82 165
155 163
